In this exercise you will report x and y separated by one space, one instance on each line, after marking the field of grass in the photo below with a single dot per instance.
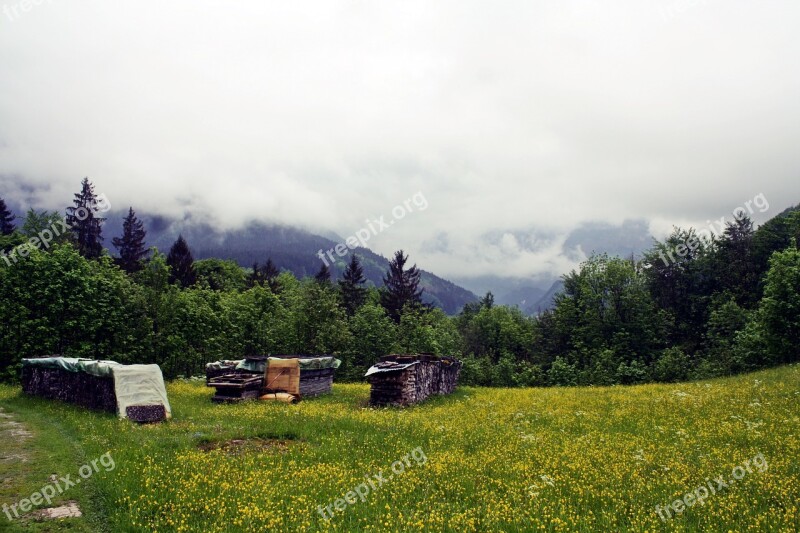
560 459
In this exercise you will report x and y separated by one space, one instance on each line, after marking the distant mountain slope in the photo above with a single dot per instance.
290 248
547 300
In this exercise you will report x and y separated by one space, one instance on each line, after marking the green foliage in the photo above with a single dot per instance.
490 330
617 321
372 335
632 373
220 275
780 308
726 319
562 373
58 303
673 365
606 305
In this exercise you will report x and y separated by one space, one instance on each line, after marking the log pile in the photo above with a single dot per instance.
409 379
448 377
221 368
236 387
316 382
131 391
79 388
146 413
313 381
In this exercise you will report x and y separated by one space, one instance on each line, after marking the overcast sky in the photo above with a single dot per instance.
517 121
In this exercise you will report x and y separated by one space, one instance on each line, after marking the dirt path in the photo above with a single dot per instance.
14 435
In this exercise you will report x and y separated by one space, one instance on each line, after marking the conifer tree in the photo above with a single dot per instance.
324 275
351 286
266 274
6 219
182 263
401 287
131 244
87 228
269 273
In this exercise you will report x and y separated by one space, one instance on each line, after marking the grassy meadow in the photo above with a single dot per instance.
553 459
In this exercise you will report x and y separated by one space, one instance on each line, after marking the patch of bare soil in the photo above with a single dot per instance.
245 446
70 509
12 431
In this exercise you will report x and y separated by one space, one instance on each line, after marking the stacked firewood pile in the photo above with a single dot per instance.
135 392
236 387
221 368
80 388
315 382
409 379
146 413
235 384
448 377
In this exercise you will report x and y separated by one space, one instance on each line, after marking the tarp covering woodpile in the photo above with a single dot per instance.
136 392
409 379
244 379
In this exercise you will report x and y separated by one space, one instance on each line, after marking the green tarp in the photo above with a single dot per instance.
306 363
101 369
133 384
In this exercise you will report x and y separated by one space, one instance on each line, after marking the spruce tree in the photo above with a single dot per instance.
269 275
131 244
254 278
182 263
264 275
401 287
323 277
735 259
351 286
87 229
488 300
6 219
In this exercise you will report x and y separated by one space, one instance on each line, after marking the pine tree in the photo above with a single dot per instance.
351 286
254 278
131 245
401 287
736 260
87 229
323 277
6 219
266 274
182 263
488 300
269 275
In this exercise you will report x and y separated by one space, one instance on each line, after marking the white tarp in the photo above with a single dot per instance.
139 385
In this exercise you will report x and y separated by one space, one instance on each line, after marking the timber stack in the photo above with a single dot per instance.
135 392
411 378
245 379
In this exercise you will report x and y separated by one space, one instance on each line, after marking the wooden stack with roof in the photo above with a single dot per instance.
407 379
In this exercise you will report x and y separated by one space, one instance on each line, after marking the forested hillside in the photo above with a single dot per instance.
290 248
693 306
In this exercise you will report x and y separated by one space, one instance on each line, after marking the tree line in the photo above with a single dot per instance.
725 304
